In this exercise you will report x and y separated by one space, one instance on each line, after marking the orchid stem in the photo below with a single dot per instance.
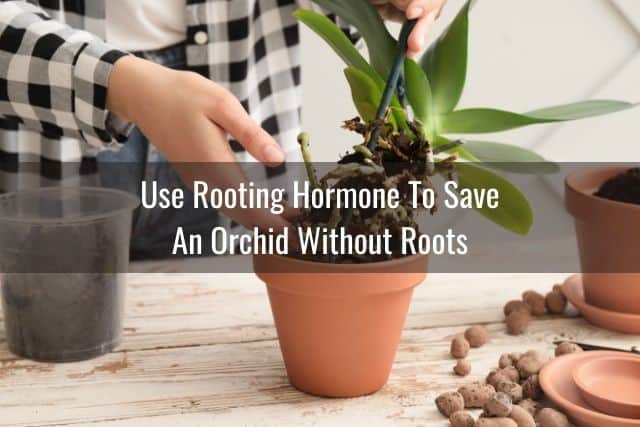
392 81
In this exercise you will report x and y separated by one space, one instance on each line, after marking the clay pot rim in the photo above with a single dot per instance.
595 314
581 372
356 268
325 280
576 410
585 207
587 194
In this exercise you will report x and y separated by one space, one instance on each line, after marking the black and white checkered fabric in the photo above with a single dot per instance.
54 69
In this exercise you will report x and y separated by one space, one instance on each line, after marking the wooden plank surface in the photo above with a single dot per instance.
201 349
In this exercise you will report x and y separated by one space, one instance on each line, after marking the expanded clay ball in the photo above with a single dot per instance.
522 417
512 373
509 373
531 388
498 406
515 305
549 417
476 395
462 368
535 301
450 402
530 405
513 389
496 376
531 362
567 348
555 302
504 361
509 359
517 322
477 336
495 422
459 347
461 419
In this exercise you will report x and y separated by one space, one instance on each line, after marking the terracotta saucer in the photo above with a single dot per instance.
611 385
556 379
619 322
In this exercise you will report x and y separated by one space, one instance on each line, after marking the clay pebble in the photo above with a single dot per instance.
531 363
459 347
513 389
508 359
567 348
549 417
531 388
518 322
555 302
462 368
515 305
535 301
448 403
476 395
477 336
461 419
495 422
522 417
498 406
529 405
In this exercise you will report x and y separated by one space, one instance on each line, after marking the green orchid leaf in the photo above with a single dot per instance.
487 120
439 141
581 110
366 19
365 109
509 158
341 44
446 62
513 212
338 41
363 91
366 95
399 116
418 91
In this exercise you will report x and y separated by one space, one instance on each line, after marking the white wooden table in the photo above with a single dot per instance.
201 350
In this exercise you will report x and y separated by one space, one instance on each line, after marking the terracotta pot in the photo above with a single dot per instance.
339 325
608 241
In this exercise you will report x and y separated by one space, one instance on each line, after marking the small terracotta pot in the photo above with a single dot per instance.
608 241
339 325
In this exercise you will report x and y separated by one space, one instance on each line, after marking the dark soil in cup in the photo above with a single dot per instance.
62 317
624 187
63 289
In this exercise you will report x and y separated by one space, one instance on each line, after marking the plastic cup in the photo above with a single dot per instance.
64 253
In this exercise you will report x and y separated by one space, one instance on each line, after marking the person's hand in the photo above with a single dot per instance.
425 11
188 117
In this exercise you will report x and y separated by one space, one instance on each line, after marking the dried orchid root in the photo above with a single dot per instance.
401 156
303 140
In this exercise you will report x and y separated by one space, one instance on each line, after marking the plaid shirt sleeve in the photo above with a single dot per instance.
53 79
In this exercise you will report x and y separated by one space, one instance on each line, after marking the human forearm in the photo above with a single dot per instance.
189 119
182 113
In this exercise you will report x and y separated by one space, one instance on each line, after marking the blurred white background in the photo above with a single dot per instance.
524 55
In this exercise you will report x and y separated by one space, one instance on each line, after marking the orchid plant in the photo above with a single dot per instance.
420 120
